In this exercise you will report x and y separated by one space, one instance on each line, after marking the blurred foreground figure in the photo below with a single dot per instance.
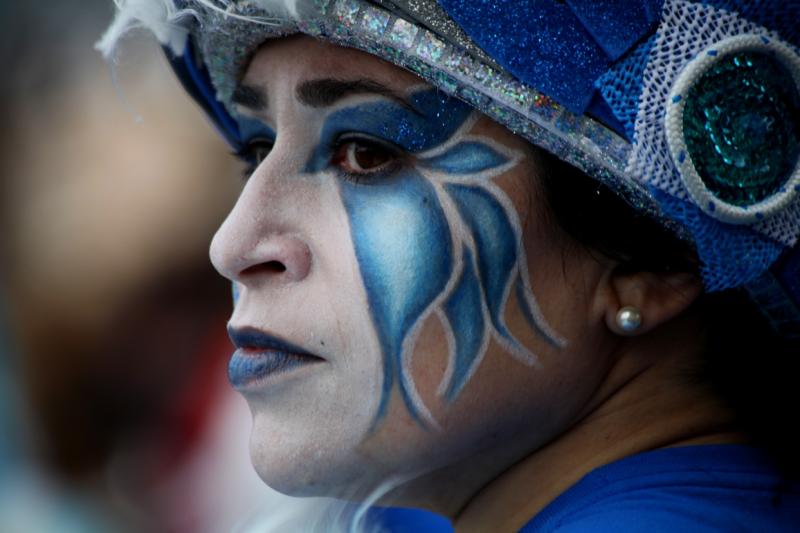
114 362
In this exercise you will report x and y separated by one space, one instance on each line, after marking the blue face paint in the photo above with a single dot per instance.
465 158
404 251
234 292
496 246
260 355
406 243
464 312
251 129
431 119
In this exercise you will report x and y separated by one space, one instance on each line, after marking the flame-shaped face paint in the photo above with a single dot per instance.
434 238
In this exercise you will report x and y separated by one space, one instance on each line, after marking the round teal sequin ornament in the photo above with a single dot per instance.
741 126
732 126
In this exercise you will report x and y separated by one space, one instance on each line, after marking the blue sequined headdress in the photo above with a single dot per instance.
689 110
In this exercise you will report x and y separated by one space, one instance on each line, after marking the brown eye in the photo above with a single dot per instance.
257 151
359 157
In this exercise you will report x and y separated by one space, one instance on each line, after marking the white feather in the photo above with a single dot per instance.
168 23
159 16
275 11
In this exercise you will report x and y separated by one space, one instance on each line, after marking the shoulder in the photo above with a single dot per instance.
698 488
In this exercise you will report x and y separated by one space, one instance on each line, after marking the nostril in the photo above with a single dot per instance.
268 267
274 266
274 259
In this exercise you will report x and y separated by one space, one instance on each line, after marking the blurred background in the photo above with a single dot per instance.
115 410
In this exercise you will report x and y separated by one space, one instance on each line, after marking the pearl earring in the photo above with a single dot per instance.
629 319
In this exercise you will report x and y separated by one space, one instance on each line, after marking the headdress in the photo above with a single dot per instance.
689 110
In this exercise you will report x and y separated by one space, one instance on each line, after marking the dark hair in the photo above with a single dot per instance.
752 369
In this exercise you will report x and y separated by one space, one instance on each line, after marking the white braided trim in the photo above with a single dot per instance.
699 192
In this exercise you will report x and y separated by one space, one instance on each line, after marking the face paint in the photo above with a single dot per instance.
251 128
439 238
404 252
234 292
253 131
405 274
428 122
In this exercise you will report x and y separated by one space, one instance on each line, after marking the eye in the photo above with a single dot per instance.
256 150
359 156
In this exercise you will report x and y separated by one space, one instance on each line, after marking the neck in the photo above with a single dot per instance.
649 400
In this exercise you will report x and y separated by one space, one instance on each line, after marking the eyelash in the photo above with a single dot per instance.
394 157
249 153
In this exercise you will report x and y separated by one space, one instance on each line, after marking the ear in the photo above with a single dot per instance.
658 297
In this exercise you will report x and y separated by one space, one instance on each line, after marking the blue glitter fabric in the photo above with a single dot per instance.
614 33
558 48
653 8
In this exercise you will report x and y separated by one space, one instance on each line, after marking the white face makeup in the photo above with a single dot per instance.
383 289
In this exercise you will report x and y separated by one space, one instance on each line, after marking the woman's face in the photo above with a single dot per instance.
402 304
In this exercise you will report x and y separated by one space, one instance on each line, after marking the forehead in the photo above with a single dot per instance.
290 60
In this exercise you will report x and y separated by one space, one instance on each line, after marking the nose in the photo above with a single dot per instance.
252 249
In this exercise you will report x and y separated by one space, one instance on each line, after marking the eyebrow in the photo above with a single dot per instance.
316 93
250 97
326 92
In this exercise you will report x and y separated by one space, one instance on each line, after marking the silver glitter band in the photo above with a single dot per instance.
227 42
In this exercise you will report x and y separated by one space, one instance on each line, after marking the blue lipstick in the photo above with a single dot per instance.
259 355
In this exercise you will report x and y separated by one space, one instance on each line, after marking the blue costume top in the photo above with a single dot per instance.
692 488
687 489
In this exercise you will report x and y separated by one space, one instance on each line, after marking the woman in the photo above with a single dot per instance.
465 319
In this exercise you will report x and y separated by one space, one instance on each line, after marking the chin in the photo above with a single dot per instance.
317 458
332 477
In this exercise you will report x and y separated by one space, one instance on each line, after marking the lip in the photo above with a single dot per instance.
260 357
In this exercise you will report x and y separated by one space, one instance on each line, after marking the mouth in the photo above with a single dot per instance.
260 356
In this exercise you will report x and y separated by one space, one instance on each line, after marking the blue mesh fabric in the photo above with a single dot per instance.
730 256
653 9
780 16
621 85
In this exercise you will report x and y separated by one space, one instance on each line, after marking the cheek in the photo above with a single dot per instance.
444 248
304 435
486 363
405 254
